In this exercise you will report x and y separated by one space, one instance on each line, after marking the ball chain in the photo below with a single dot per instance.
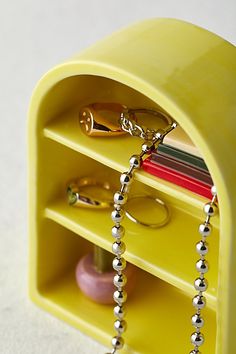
200 283
118 248
118 232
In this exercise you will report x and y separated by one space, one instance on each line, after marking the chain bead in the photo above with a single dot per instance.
120 326
126 179
199 302
120 280
117 215
205 229
135 161
120 198
213 191
197 338
195 351
119 263
210 208
201 284
148 147
117 342
120 296
197 321
159 134
202 266
118 231
119 311
202 248
118 248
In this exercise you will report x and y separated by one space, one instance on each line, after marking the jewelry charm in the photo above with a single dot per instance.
201 284
93 121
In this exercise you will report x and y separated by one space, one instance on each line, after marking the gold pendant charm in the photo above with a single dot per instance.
101 119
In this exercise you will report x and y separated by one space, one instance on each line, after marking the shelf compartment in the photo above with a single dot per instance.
156 312
115 152
162 252
155 309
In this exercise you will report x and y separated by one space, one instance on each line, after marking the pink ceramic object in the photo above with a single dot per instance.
99 286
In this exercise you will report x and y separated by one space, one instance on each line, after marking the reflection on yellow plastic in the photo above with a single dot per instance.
191 74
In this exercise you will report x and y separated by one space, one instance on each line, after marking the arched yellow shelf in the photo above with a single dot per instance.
190 73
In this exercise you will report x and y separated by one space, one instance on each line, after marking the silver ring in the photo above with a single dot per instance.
160 114
143 223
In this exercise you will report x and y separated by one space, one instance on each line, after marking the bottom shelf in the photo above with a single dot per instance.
158 315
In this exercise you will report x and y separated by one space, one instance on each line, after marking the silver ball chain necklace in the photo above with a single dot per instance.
152 138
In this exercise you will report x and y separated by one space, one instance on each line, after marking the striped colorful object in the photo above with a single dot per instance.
181 155
176 177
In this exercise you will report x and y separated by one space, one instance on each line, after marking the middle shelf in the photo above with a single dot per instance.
161 252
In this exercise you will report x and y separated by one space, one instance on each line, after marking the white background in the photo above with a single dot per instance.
35 36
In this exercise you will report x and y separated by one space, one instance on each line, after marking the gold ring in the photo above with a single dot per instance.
143 223
78 193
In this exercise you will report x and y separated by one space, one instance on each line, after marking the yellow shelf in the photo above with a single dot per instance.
156 302
65 130
162 252
190 73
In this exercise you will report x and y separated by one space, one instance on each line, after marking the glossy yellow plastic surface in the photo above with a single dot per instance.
190 73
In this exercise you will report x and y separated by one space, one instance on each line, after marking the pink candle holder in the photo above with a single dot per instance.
98 286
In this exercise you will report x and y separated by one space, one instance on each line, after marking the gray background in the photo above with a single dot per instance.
35 36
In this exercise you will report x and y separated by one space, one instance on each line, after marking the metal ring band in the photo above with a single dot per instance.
158 113
77 197
128 122
152 225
